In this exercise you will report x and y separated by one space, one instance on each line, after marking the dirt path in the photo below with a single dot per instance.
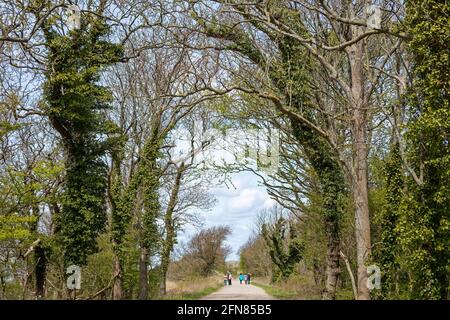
239 292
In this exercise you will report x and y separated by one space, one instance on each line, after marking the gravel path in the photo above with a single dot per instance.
239 292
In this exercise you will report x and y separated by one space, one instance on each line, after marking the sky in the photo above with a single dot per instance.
236 207
239 203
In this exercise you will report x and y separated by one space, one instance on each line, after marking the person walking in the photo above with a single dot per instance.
248 278
245 279
229 278
241 278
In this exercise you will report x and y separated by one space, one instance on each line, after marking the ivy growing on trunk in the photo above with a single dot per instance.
387 252
425 226
285 247
74 101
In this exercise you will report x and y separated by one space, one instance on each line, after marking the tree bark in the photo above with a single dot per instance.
360 167
118 281
40 271
143 274
362 222
170 228
333 270
165 257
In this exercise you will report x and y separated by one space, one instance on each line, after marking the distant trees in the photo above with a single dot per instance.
206 251
254 257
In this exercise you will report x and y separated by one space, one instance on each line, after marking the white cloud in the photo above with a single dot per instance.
236 207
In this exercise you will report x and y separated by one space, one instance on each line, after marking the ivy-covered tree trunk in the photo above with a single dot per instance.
424 230
387 253
143 273
319 155
333 269
332 188
74 101
122 199
148 176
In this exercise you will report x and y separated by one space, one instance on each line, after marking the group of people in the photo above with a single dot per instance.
242 278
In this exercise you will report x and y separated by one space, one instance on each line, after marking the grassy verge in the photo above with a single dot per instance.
283 292
195 295
277 292
297 287
192 288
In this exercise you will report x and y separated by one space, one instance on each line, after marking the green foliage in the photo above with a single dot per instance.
74 100
6 127
146 182
98 271
14 227
8 102
387 251
21 193
285 247
424 226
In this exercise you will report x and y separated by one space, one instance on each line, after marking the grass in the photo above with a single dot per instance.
344 294
297 287
277 292
192 289
195 295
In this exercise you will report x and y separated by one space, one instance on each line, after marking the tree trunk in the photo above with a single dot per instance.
40 271
143 274
332 186
360 167
170 228
333 270
362 220
118 281
162 285
165 260
165 256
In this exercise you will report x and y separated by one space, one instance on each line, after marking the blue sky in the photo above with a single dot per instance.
238 204
236 207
